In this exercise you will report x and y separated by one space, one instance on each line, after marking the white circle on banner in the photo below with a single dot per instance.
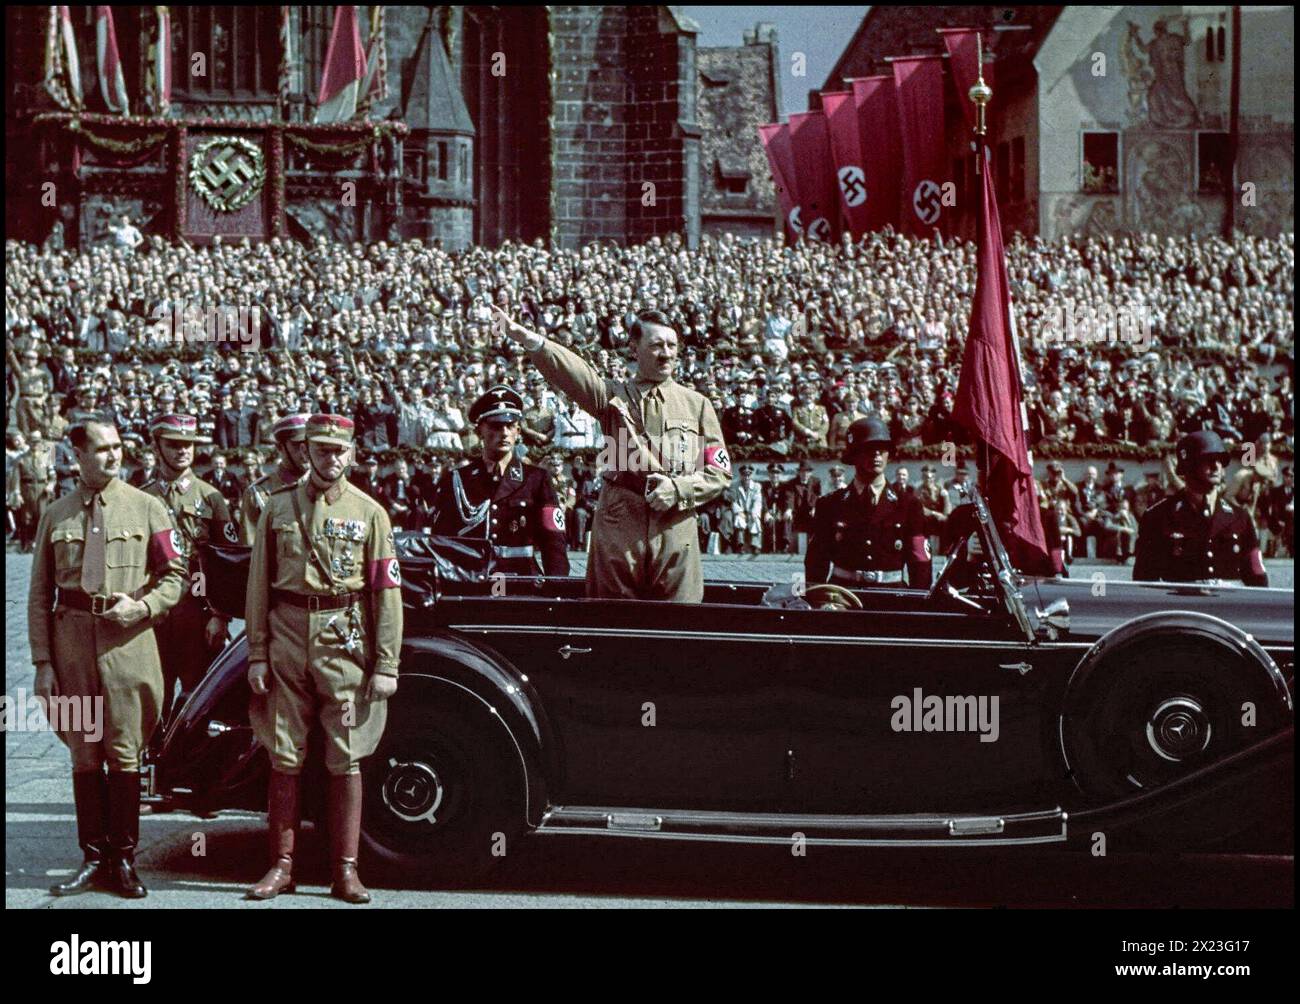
853 183
926 201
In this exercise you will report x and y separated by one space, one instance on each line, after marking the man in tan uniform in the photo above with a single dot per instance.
664 458
324 618
112 554
192 631
35 486
34 388
291 442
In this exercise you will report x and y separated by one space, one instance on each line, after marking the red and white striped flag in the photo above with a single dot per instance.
375 86
345 67
286 58
111 82
158 69
62 80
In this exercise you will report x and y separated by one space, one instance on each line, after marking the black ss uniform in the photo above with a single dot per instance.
519 514
854 542
1182 541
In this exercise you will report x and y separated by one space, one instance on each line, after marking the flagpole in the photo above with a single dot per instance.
981 94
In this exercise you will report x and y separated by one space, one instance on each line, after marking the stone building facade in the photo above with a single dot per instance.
1114 119
739 91
565 124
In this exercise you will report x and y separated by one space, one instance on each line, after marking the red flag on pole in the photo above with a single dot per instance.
989 398
964 56
918 86
780 158
819 202
345 66
882 155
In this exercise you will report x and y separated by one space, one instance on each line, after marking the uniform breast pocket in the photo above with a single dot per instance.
681 446
69 543
124 547
288 540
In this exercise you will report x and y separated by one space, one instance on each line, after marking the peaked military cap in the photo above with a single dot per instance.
291 428
183 427
333 429
499 404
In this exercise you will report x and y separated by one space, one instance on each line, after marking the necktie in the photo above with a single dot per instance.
92 563
652 413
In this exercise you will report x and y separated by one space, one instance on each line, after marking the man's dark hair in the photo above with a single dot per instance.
77 434
648 317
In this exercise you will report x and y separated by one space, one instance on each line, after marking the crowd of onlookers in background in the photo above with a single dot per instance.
791 344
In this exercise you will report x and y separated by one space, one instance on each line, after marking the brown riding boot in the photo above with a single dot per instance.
282 824
345 837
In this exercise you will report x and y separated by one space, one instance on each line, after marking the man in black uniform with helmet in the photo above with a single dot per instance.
501 499
867 532
1198 534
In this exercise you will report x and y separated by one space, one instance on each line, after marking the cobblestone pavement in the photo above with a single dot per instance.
189 862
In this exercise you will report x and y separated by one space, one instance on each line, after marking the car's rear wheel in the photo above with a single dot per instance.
444 795
1158 709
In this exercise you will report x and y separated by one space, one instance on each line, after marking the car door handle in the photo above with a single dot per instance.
569 650
1020 667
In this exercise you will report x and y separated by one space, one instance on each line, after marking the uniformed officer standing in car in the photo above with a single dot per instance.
664 459
1198 534
324 617
866 532
499 498
190 633
111 553
291 442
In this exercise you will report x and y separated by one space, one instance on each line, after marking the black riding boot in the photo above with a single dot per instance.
124 832
90 796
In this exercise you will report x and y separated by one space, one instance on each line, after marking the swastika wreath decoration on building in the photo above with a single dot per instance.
228 172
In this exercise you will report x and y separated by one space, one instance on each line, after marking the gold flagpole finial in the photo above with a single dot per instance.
981 93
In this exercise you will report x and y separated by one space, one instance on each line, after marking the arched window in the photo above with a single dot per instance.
1223 49
1209 45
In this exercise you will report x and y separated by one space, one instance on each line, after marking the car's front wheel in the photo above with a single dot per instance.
444 794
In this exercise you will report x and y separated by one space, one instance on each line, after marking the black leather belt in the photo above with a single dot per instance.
633 481
75 599
339 601
858 577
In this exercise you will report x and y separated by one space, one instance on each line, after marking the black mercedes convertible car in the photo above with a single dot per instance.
992 709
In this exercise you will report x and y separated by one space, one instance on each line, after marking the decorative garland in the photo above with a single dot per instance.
137 146
376 129
335 150
276 141
179 168
215 199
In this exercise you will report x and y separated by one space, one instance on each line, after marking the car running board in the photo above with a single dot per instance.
920 830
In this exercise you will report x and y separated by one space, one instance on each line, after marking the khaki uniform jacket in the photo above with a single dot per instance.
199 511
354 536
254 500
140 552
637 552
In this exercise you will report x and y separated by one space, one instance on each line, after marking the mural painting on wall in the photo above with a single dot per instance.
1156 75
1158 169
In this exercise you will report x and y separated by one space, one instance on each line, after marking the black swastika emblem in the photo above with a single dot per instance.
925 202
853 183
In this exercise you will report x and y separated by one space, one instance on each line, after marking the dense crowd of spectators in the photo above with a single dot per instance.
791 343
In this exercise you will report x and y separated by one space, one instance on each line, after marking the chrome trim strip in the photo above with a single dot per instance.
945 827
726 838
1010 643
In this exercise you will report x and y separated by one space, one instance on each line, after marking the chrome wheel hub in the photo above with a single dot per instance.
1178 728
412 791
